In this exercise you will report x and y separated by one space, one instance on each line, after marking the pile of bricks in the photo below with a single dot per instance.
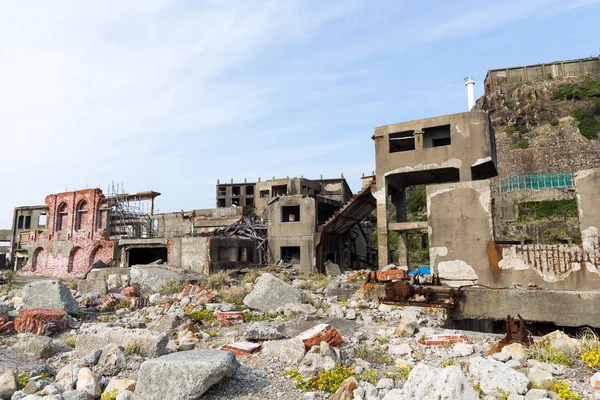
320 333
130 291
226 318
40 321
437 340
198 293
109 302
379 276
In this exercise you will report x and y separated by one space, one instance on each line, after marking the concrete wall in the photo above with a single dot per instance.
536 72
295 186
196 221
460 230
294 234
235 194
208 255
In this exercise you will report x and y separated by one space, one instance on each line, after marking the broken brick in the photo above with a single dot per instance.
241 348
139 302
130 291
40 321
440 340
320 333
230 317
391 275
109 302
7 327
191 290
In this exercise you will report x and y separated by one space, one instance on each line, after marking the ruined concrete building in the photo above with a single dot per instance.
76 230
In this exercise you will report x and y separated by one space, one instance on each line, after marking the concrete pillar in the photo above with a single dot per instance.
382 221
402 248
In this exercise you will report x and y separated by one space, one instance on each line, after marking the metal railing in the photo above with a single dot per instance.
537 182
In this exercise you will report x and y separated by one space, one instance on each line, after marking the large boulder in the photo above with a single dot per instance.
111 361
8 384
183 375
428 383
152 278
270 293
289 351
496 377
39 346
148 343
49 294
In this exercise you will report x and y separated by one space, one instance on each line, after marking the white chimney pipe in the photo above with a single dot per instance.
470 83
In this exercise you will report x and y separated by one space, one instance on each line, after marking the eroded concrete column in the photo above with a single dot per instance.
399 200
382 228
402 248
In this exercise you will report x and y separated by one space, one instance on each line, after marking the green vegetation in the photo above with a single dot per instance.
548 209
373 355
563 391
203 316
70 341
418 249
133 348
172 287
234 295
550 355
509 104
326 381
112 395
313 282
216 281
554 122
404 372
589 120
523 144
22 380
416 203
587 89
523 129
123 303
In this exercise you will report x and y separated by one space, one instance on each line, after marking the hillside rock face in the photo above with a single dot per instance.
526 112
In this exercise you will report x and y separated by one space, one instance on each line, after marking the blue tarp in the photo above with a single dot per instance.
422 270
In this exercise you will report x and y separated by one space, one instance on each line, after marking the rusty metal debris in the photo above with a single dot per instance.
516 332
407 293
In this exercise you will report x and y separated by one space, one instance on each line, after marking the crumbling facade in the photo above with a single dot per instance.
75 235
451 148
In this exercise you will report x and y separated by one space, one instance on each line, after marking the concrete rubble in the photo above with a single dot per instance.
233 337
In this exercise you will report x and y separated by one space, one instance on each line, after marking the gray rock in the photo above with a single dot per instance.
92 357
462 349
77 395
214 307
496 377
18 395
332 269
536 394
335 311
270 293
152 278
39 346
539 377
289 351
125 395
429 383
31 387
112 361
513 396
49 294
262 331
314 362
293 308
395 394
501 356
185 375
8 384
407 326
165 323
554 369
94 336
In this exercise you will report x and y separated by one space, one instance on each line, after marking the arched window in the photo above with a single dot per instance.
81 217
61 216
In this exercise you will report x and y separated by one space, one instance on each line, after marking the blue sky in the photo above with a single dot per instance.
173 95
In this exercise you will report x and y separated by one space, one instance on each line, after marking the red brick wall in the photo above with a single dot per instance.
70 251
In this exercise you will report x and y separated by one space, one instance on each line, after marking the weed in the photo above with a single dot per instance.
22 380
250 317
381 341
404 372
326 381
369 376
9 276
172 287
203 316
70 341
44 376
212 332
447 363
550 355
73 285
554 122
251 276
563 391
217 281
133 348
591 348
360 277
588 88
523 129
372 355
234 295
123 303
112 395
523 144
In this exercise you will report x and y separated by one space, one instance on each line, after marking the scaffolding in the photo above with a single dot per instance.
537 182
128 215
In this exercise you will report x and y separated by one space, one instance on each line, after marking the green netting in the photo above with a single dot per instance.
537 182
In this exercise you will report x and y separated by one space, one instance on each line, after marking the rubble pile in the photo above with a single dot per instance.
269 336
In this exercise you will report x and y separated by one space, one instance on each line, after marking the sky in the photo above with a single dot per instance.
172 95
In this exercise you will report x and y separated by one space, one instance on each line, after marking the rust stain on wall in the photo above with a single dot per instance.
494 257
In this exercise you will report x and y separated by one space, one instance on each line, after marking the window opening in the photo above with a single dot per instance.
61 217
290 254
82 209
436 136
401 141
290 213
